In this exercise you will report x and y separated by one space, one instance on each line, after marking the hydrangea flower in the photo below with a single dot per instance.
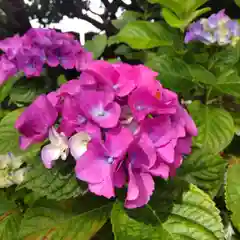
118 123
11 171
217 29
37 47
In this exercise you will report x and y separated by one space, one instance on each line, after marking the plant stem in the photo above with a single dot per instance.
208 92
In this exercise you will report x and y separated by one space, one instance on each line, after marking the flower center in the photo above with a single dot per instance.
110 160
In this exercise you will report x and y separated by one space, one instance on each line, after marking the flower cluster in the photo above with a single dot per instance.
120 125
217 29
37 47
11 171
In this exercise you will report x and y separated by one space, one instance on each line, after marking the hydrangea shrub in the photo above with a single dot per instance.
95 148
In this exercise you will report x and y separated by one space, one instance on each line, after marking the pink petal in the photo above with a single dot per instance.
147 145
53 98
166 153
159 129
125 83
92 167
71 87
184 145
119 177
36 120
117 141
160 169
142 106
104 188
133 189
103 70
145 185
25 142
92 129
145 77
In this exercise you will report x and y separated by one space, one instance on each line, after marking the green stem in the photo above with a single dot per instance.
209 90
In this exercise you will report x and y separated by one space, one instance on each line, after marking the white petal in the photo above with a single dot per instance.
16 162
58 139
5 182
49 154
5 161
64 154
18 176
78 144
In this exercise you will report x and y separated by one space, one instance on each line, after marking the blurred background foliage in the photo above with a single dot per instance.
15 15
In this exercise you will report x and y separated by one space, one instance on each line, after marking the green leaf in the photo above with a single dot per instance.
8 134
172 66
175 22
192 5
183 9
57 183
122 49
225 59
125 18
97 45
24 94
113 40
201 74
6 88
176 211
171 18
173 72
204 170
54 224
215 127
237 2
229 82
232 193
173 5
10 219
145 35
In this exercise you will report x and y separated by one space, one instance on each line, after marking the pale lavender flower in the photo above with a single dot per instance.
217 29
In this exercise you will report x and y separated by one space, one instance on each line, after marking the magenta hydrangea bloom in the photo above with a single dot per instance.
35 121
217 29
119 124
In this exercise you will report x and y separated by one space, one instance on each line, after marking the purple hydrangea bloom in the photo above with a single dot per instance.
11 46
217 29
37 47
